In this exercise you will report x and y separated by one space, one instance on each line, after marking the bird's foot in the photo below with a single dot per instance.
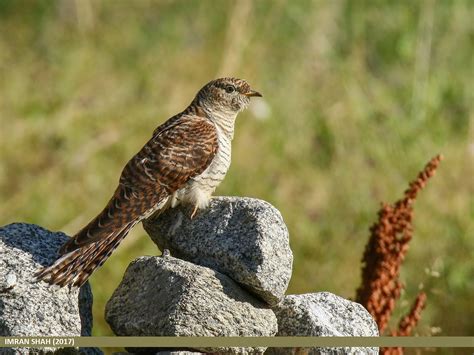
194 212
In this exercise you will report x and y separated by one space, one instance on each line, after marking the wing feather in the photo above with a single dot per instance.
175 154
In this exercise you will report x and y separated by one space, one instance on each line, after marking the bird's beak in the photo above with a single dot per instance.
253 93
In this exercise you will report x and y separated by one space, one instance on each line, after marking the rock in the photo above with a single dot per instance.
171 297
29 308
323 314
243 238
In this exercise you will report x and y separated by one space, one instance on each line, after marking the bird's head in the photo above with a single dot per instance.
226 95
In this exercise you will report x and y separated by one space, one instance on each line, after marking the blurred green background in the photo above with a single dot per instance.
358 96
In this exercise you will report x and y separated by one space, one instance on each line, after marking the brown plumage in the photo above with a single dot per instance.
183 162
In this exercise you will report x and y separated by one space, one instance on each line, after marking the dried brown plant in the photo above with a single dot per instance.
384 255
409 322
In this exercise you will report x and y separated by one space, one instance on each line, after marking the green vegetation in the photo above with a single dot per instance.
361 95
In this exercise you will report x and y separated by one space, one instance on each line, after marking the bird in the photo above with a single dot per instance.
185 160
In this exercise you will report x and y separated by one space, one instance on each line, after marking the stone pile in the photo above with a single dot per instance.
228 266
29 308
227 276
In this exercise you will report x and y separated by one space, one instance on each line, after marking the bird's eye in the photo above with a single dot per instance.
229 89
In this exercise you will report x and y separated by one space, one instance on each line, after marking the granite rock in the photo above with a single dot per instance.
323 314
165 296
29 308
243 238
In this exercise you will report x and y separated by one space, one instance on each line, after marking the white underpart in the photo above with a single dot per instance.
198 190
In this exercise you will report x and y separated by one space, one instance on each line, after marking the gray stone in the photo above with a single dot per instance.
243 238
323 314
172 297
29 308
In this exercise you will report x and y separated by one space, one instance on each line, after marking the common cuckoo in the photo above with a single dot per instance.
183 162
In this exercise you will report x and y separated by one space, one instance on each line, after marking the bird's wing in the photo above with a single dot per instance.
164 165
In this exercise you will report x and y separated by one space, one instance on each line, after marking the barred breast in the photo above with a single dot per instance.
199 189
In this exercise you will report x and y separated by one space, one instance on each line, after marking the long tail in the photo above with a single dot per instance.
75 267
94 243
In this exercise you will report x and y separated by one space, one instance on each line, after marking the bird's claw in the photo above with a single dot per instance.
194 212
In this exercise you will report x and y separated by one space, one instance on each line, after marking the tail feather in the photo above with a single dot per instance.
112 217
100 255
94 243
75 267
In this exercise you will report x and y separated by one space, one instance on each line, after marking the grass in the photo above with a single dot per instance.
359 95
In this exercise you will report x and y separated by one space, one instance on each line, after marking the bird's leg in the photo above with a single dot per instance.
194 211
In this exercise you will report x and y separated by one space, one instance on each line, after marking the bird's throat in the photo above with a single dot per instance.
224 122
